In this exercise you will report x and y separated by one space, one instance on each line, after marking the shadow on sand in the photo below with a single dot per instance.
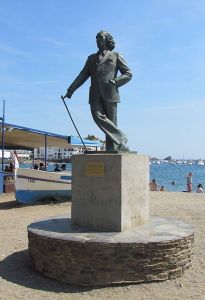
14 204
17 268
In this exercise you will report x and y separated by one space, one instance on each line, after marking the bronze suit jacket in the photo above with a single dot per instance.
101 72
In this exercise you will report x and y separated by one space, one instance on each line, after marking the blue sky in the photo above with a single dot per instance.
44 45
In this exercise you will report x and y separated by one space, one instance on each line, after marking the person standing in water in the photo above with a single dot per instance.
189 182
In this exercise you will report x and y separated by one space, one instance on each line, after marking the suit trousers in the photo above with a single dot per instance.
104 114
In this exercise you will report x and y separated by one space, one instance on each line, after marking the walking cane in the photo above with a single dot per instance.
73 122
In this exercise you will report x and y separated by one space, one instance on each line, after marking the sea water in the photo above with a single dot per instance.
166 173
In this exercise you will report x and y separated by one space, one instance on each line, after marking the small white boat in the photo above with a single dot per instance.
35 185
157 162
201 163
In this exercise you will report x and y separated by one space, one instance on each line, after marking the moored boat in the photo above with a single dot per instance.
35 185
32 185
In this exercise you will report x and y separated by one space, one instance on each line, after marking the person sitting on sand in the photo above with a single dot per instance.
6 169
57 168
11 168
199 188
36 167
63 167
153 185
42 167
162 189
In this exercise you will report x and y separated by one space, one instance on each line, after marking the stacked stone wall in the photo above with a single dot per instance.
93 263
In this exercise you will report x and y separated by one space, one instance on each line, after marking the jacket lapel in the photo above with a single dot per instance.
107 55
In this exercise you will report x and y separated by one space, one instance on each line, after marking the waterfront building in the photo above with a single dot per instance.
56 153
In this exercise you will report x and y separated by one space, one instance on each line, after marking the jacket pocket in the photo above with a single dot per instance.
109 91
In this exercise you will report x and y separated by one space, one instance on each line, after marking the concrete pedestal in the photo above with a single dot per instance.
110 192
109 238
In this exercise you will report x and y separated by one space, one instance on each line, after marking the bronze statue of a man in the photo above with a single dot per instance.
103 68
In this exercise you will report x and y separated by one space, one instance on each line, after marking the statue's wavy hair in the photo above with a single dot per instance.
109 39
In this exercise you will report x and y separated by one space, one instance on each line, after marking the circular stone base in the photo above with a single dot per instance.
158 250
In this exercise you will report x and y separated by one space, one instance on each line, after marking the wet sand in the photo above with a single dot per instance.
19 281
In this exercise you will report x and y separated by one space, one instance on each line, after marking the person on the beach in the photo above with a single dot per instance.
57 168
7 169
162 189
153 185
42 167
199 188
189 182
103 68
63 167
11 168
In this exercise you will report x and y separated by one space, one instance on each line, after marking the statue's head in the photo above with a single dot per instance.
105 40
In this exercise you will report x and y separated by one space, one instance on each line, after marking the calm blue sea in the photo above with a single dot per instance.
165 173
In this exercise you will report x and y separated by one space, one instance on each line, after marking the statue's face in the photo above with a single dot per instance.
101 41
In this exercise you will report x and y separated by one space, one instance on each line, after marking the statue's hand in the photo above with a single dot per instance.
113 81
68 94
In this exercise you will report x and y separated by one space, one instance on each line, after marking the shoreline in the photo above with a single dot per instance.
19 281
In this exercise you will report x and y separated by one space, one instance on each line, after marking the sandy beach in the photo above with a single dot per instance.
19 281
